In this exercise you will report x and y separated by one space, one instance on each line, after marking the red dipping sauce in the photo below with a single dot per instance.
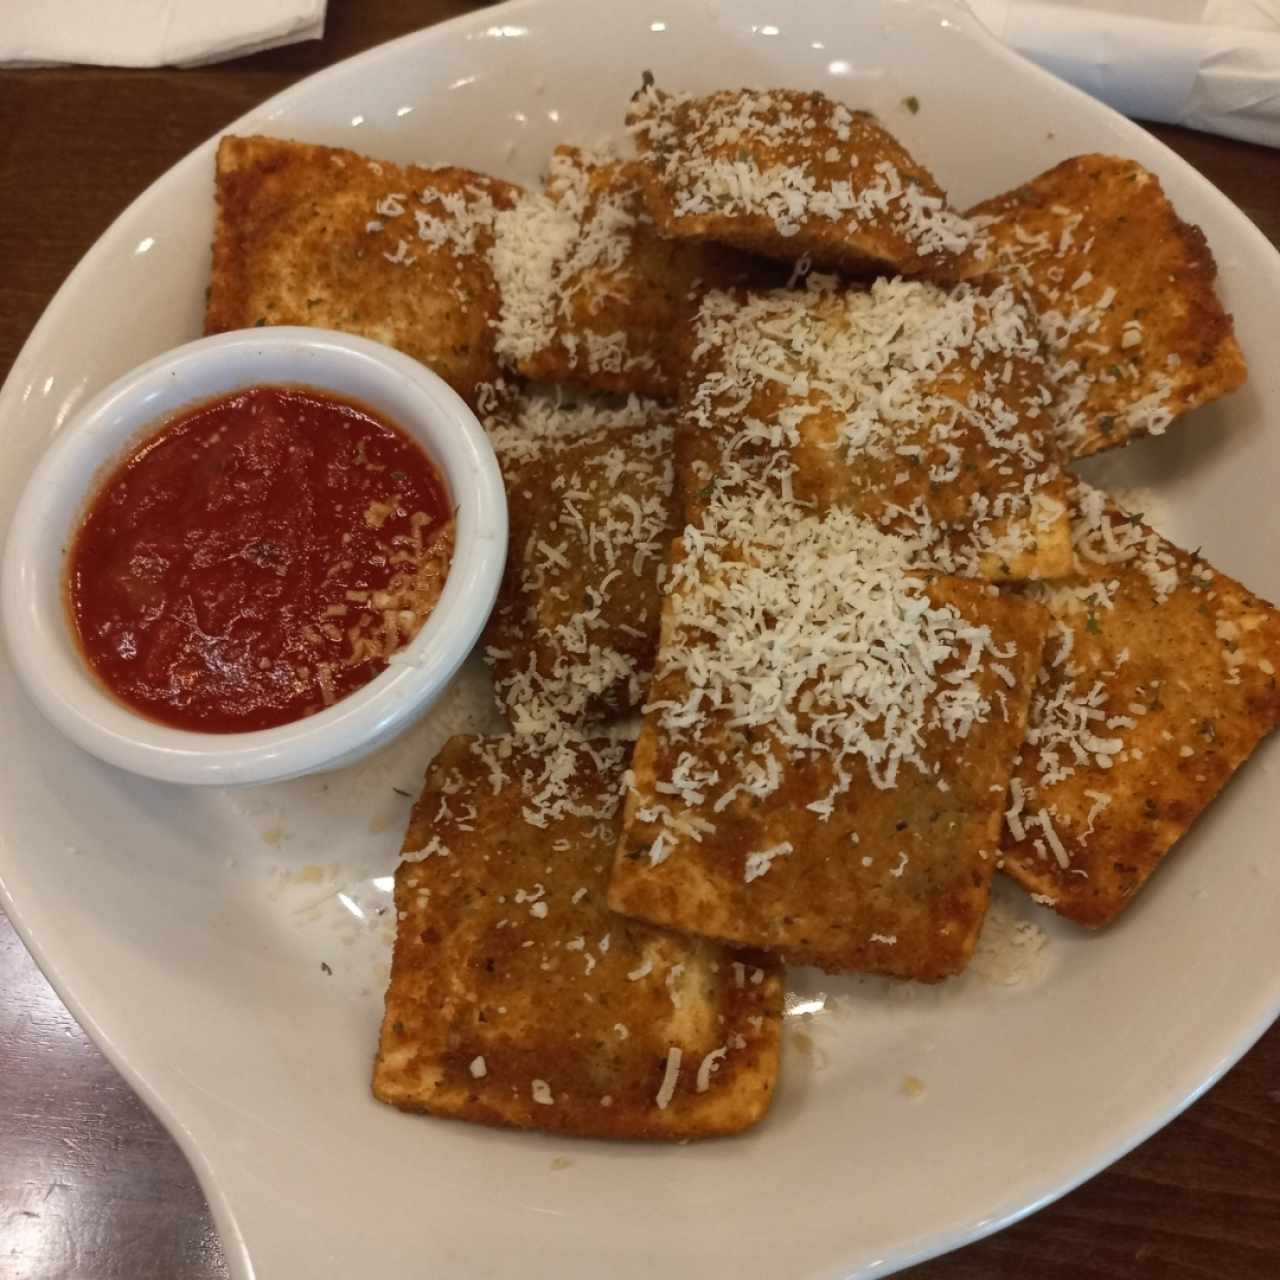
258 558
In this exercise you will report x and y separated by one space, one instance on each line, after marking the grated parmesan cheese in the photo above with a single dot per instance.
857 380
758 864
670 1078
774 608
709 1064
753 154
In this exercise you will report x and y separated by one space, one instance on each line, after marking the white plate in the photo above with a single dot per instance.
154 913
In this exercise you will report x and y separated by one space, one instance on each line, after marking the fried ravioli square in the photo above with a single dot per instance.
826 747
793 176
320 236
575 627
1159 682
922 408
517 998
1125 293
591 293
527 423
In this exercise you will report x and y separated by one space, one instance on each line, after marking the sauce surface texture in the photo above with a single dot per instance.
257 559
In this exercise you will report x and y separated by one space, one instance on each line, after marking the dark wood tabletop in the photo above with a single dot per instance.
90 1185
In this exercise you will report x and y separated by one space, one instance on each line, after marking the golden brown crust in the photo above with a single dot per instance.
965 457
1104 255
576 620
1178 689
893 880
517 998
305 235
621 296
792 175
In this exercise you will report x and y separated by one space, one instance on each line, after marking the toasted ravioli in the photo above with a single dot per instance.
325 237
1159 681
922 408
792 175
525 424
591 293
517 998
1125 293
576 623
826 747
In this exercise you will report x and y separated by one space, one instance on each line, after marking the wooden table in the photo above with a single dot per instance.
91 1188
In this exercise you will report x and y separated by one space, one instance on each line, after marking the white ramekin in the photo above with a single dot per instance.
37 627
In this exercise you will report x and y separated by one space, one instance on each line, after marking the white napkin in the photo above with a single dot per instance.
1209 64
150 33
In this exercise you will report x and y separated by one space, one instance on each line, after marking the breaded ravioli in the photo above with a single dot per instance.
826 748
1125 293
591 293
320 236
1159 682
922 408
793 176
517 998
527 423
575 627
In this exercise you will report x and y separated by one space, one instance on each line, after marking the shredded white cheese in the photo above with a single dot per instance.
757 864
670 1078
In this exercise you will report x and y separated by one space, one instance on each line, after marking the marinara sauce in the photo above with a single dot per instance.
257 559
